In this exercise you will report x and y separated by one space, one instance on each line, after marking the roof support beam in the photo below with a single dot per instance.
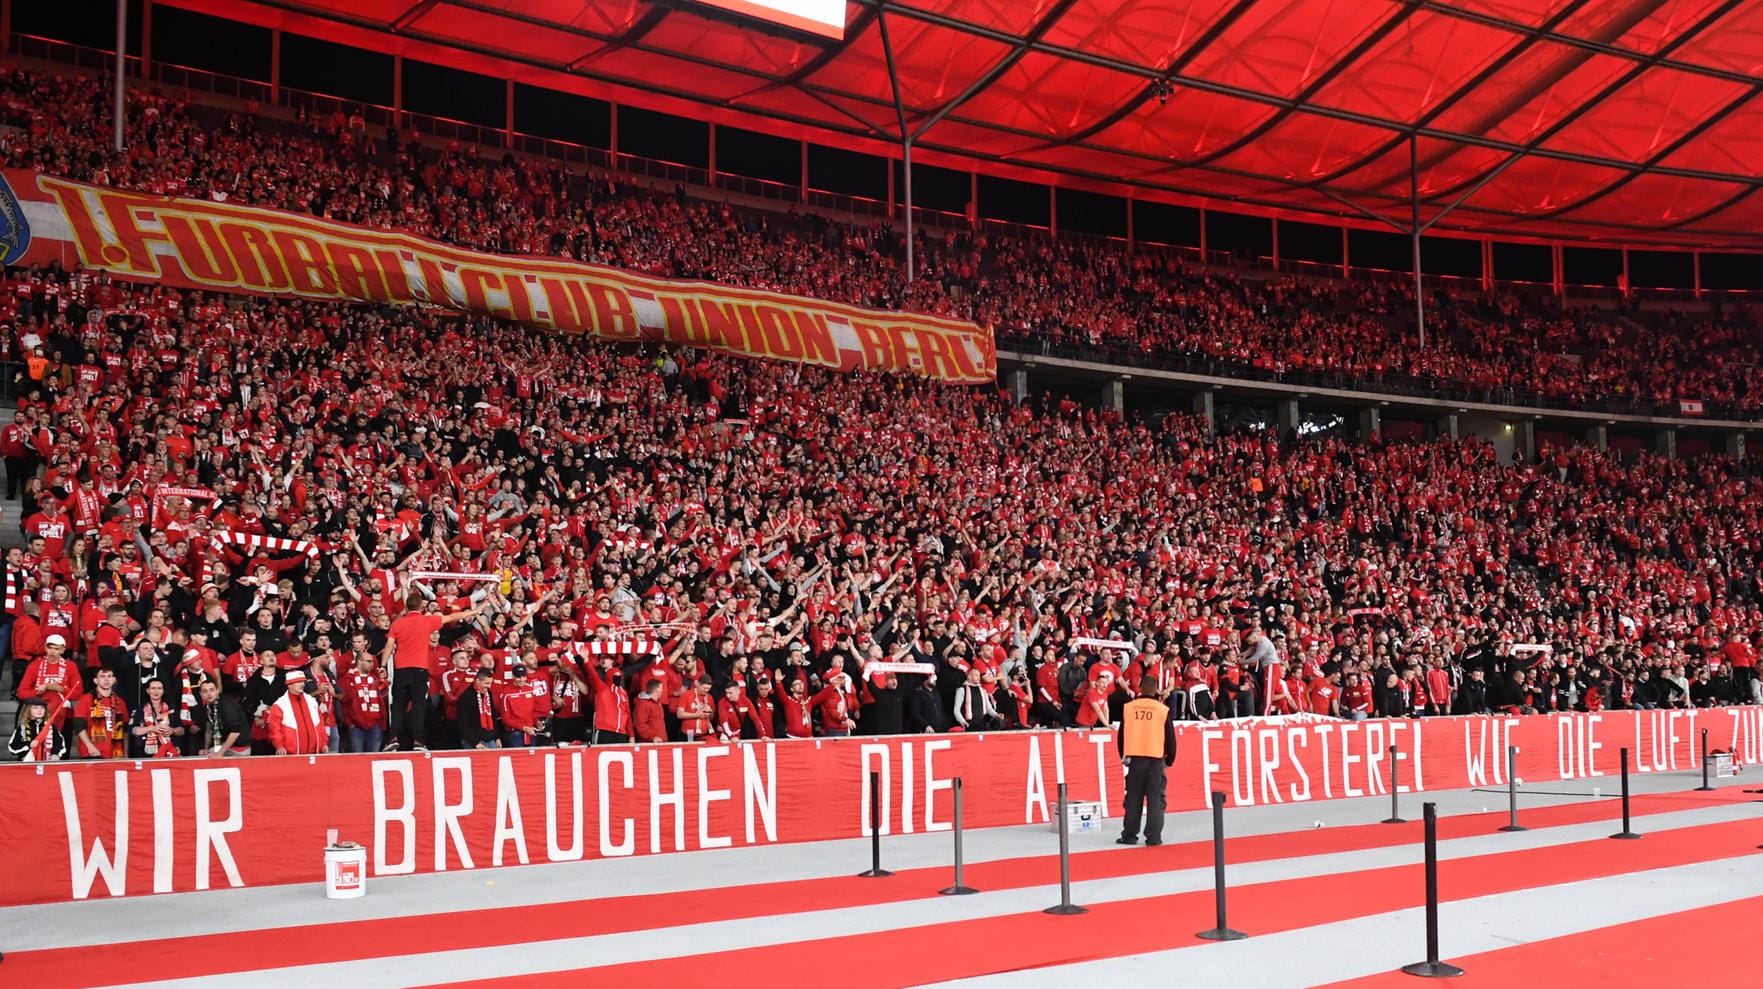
1327 112
1535 145
1341 64
1180 62
993 74
1585 44
1456 96
412 14
905 134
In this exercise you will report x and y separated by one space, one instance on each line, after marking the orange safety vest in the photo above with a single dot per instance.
1143 723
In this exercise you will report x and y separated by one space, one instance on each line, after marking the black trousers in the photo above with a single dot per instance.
569 730
1046 714
602 737
18 470
1145 796
410 706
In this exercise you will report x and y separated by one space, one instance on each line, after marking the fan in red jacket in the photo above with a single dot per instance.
647 714
295 725
53 678
612 704
836 703
696 710
525 703
363 704
100 720
1438 688
762 713
456 681
798 711
732 712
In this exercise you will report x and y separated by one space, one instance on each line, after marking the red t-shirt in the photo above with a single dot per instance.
411 635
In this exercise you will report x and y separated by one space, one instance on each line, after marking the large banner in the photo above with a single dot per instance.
1256 763
97 829
218 246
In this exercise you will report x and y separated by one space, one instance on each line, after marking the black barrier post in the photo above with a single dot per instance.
960 888
1395 785
1626 832
875 870
1704 785
1221 932
1065 905
1512 789
1432 968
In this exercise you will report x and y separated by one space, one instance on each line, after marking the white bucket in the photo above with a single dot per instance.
345 871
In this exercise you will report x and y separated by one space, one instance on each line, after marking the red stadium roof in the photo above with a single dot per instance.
1634 121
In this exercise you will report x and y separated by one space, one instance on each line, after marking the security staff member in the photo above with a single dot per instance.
1147 747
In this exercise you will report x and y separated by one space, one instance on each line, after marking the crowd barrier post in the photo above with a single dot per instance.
960 888
1221 931
1395 786
1512 789
1065 907
1705 784
1432 968
875 871
1626 831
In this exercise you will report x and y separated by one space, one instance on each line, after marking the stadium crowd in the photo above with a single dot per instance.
1036 293
263 526
243 514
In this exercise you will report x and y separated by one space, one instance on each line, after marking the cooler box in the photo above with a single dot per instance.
1081 816
1723 766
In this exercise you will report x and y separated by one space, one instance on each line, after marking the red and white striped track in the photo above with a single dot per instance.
1324 906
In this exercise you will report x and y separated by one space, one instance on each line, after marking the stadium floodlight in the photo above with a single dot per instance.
822 17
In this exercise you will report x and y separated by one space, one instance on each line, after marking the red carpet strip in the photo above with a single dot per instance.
243 951
1704 948
1020 941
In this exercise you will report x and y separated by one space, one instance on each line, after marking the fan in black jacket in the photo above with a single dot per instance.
480 724
885 712
924 709
1472 696
217 725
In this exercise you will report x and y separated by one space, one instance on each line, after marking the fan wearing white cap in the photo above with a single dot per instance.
294 724
54 678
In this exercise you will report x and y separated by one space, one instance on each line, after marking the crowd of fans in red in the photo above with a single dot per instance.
275 526
1035 293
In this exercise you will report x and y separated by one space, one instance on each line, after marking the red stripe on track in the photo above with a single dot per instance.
988 945
1683 949
244 951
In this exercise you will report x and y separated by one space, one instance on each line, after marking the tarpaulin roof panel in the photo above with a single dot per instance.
1582 119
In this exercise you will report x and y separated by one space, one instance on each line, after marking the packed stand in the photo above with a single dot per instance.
1089 299
261 526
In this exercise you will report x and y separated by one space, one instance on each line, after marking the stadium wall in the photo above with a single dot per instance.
96 829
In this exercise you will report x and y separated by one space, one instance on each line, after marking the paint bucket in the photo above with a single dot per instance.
345 871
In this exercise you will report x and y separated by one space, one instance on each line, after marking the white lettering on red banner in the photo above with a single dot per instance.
188 825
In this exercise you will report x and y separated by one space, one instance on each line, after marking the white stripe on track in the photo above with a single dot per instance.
1365 946
542 956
